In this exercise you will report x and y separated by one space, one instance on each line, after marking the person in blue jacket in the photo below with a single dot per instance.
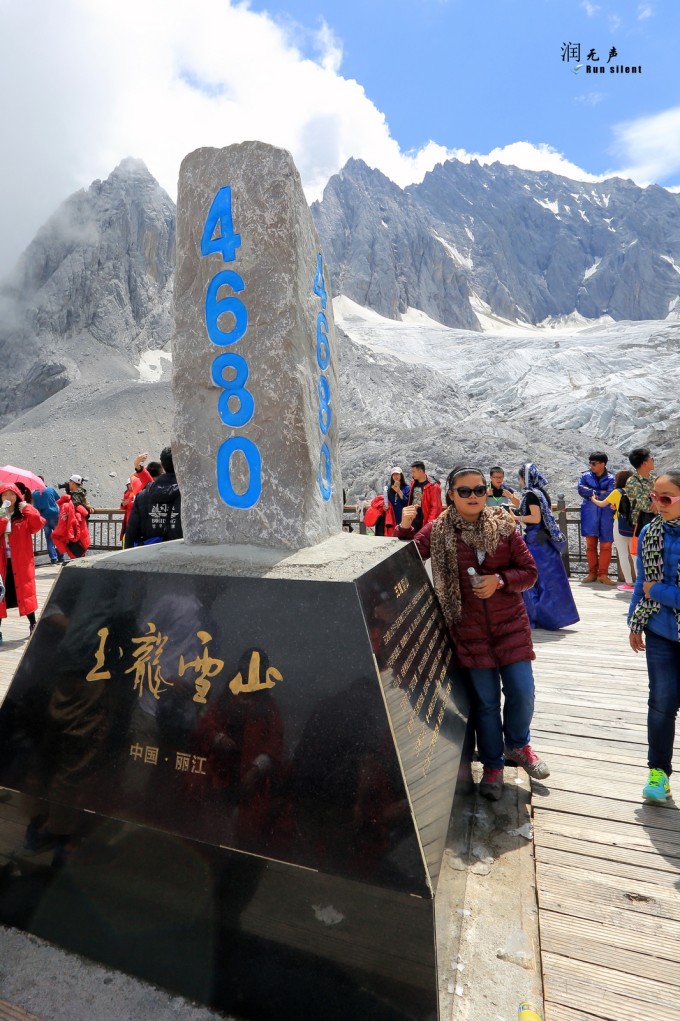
45 502
597 523
654 622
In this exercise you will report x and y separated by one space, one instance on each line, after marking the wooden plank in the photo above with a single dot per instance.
591 757
620 751
609 992
610 719
641 897
621 733
620 788
621 949
657 817
632 874
10 1012
600 774
636 851
562 710
584 824
625 919
556 1012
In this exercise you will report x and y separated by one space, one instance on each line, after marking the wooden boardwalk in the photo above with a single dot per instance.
607 866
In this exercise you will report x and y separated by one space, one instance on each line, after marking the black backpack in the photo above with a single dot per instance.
625 518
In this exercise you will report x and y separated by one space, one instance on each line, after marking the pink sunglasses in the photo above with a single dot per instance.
663 500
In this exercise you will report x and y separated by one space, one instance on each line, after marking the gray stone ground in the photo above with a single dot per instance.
57 986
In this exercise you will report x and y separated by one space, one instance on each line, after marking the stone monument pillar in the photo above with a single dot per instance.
236 754
254 360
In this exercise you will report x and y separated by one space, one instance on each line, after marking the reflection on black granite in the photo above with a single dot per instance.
219 792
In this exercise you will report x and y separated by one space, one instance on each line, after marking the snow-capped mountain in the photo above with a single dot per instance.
528 247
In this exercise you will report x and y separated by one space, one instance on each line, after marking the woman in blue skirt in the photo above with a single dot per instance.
549 603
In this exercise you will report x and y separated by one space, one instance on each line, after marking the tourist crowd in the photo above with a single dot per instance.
498 573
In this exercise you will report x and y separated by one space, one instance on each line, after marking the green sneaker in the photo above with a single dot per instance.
657 787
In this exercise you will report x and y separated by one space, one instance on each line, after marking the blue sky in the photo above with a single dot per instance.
402 84
482 74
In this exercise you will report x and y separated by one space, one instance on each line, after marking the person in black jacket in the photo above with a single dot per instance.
156 514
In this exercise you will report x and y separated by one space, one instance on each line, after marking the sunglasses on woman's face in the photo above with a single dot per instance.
466 491
663 500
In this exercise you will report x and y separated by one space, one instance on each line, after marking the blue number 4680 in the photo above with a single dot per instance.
220 220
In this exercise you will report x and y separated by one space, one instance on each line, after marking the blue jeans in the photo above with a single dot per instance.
51 548
517 682
663 667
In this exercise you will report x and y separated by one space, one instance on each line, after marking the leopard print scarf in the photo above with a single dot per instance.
484 534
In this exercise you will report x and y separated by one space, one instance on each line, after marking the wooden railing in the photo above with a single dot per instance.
105 525
568 518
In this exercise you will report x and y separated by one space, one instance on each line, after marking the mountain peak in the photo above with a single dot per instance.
131 167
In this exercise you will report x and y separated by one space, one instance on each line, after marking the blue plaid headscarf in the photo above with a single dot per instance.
537 485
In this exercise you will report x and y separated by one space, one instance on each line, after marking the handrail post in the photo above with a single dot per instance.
562 522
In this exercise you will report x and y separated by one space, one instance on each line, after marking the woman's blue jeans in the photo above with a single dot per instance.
512 730
663 667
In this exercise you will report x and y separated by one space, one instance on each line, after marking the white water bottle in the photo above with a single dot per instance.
475 579
386 490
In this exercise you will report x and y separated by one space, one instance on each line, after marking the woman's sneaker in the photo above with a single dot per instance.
491 786
528 759
657 787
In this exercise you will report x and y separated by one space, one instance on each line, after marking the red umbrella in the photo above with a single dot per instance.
8 473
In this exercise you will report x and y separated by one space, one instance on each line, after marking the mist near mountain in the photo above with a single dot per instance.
91 292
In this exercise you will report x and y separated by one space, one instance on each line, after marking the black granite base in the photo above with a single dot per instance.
237 787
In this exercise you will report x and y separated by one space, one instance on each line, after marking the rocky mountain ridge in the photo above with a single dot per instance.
439 357
527 247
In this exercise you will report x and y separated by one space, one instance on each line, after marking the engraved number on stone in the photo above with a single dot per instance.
220 219
239 445
216 307
324 392
323 351
234 388
324 476
319 283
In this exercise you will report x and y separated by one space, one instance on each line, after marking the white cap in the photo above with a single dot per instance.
397 469
78 479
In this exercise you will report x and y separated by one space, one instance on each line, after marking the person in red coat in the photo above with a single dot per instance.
18 524
480 566
71 536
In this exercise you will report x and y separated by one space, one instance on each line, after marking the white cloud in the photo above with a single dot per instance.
87 84
590 9
590 98
528 156
645 11
156 79
648 146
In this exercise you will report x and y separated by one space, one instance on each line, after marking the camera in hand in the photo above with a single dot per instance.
62 485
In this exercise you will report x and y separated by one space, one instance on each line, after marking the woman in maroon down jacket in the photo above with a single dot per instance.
481 566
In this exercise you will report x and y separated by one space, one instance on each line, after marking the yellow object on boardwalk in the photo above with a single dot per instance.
529 1012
